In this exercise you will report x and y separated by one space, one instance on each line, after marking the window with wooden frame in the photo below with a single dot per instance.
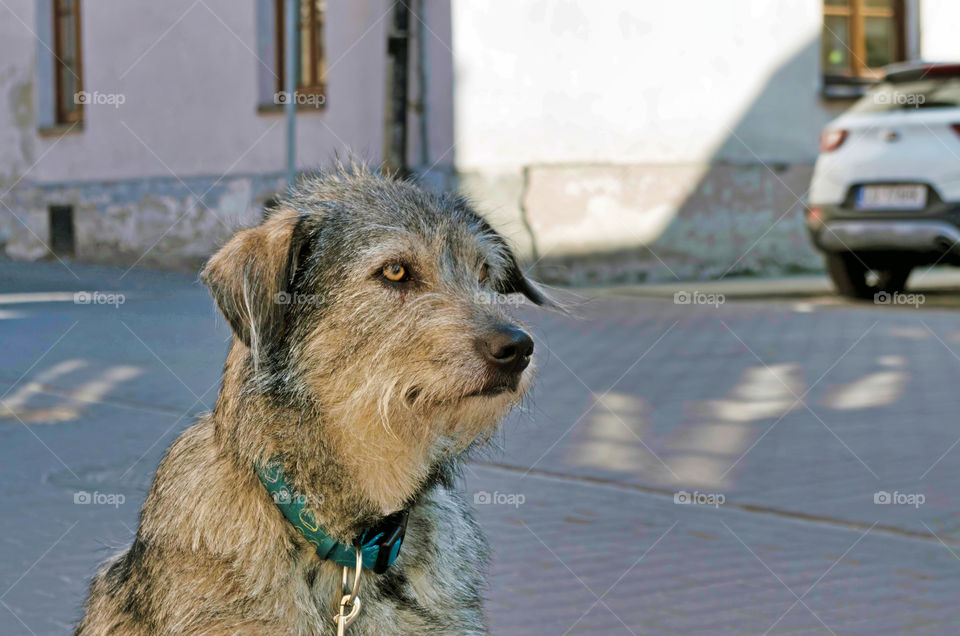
68 69
860 37
311 71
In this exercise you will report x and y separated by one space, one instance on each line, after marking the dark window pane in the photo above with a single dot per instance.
321 67
881 42
66 40
306 55
67 60
837 3
66 51
880 4
68 88
310 69
835 45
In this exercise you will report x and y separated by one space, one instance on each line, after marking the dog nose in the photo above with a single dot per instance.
508 349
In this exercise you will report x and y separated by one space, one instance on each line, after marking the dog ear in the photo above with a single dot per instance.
515 282
250 276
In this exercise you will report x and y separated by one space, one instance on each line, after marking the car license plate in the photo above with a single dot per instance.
892 197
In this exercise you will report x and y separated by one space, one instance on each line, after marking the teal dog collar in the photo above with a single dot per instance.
380 544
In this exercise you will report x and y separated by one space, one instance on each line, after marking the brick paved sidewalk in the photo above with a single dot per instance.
798 412
583 558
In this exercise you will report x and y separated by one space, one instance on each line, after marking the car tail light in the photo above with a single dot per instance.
831 138
941 70
956 128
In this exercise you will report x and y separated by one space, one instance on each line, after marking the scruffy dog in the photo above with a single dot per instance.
370 352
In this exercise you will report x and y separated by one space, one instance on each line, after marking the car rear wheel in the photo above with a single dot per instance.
854 279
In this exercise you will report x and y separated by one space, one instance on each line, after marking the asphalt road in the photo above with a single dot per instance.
712 466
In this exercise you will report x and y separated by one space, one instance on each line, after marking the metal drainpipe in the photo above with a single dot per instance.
422 81
395 137
290 87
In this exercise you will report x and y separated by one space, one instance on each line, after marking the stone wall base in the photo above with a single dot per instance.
596 224
575 224
164 223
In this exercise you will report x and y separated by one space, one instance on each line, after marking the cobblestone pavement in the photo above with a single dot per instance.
781 421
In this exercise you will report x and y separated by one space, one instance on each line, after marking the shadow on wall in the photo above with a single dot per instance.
740 213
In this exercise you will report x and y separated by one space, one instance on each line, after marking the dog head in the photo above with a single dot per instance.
384 306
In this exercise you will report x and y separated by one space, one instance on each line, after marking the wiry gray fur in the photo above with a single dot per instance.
369 391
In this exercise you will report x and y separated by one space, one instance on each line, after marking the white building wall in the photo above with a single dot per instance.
627 81
657 139
17 131
187 73
674 132
183 155
939 20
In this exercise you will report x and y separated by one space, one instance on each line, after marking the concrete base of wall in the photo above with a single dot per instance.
574 224
163 223
634 223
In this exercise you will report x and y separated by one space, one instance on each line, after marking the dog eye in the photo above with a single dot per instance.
395 273
484 273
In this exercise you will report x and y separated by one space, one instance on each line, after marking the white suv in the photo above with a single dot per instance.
885 196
